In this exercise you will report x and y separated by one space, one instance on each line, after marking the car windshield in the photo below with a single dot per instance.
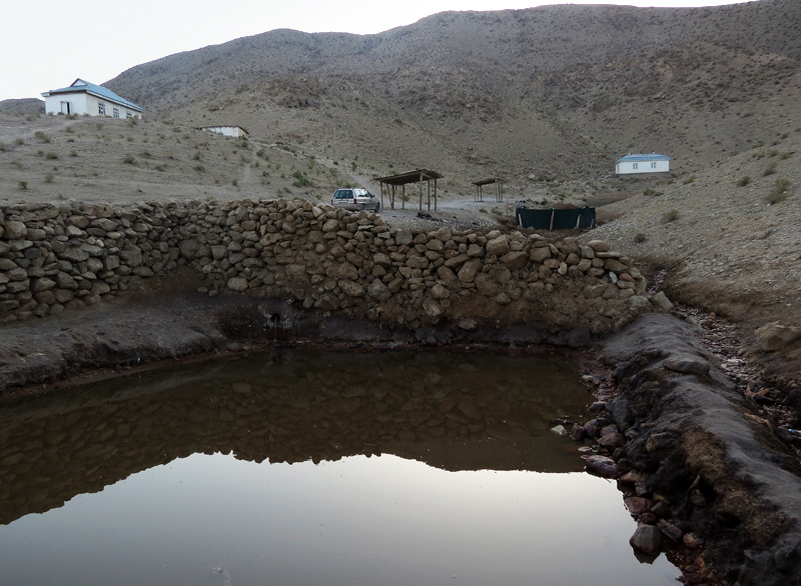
343 193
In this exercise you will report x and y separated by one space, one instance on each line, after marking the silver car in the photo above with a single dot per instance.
355 200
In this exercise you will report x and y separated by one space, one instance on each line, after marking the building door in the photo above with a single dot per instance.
65 108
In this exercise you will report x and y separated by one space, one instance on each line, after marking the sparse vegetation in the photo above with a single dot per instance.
41 136
670 216
690 179
199 168
652 192
770 169
301 179
640 237
49 178
129 159
23 185
743 181
779 192
51 155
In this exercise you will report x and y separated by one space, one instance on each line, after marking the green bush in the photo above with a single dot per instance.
199 168
690 179
301 180
51 155
49 178
129 160
23 184
743 181
640 237
770 169
41 136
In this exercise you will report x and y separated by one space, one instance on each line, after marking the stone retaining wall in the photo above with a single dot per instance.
57 257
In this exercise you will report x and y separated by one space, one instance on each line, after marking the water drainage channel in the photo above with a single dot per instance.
309 468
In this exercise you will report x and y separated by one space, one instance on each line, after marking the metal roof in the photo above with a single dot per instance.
81 85
638 158
487 181
410 177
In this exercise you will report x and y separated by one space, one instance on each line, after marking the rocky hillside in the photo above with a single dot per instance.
526 94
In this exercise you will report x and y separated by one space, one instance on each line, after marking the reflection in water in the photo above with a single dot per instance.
326 510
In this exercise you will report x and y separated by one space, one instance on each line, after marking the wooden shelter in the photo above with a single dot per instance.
498 189
419 176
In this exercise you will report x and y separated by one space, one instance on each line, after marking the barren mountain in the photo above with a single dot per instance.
542 92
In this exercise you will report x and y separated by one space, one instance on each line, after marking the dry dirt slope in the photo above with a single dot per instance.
728 245
549 91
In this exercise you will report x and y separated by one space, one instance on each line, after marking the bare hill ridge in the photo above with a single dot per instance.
548 91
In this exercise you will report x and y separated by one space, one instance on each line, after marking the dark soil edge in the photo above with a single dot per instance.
696 443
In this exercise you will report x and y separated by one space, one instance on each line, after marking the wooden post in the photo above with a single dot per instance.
435 194
420 193
428 194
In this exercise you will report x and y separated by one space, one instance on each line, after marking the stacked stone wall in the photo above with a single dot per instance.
58 257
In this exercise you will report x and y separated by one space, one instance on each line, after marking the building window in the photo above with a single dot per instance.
115 112
128 114
634 165
101 109
653 165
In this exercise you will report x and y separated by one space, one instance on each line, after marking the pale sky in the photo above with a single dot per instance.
47 44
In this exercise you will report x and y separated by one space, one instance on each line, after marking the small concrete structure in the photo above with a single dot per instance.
87 99
638 164
232 131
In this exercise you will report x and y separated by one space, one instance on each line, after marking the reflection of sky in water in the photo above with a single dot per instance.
378 521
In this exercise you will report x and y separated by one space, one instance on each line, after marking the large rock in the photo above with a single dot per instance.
467 273
515 260
15 230
498 246
189 248
647 539
602 466
238 284
661 302
775 336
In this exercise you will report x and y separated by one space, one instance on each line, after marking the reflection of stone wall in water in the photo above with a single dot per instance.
70 256
462 412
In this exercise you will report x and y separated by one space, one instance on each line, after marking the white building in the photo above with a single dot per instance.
234 131
653 163
84 98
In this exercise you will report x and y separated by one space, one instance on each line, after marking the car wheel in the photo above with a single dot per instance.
360 208
377 207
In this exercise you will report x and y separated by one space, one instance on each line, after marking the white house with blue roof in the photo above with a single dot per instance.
84 98
632 164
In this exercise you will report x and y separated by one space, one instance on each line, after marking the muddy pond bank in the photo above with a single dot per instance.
699 466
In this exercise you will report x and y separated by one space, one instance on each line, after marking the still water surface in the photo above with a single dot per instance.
308 468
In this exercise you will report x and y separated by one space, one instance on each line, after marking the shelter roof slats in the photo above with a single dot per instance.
410 177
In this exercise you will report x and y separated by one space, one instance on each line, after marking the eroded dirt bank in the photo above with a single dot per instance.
694 445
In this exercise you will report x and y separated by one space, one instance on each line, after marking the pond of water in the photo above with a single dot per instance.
302 467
